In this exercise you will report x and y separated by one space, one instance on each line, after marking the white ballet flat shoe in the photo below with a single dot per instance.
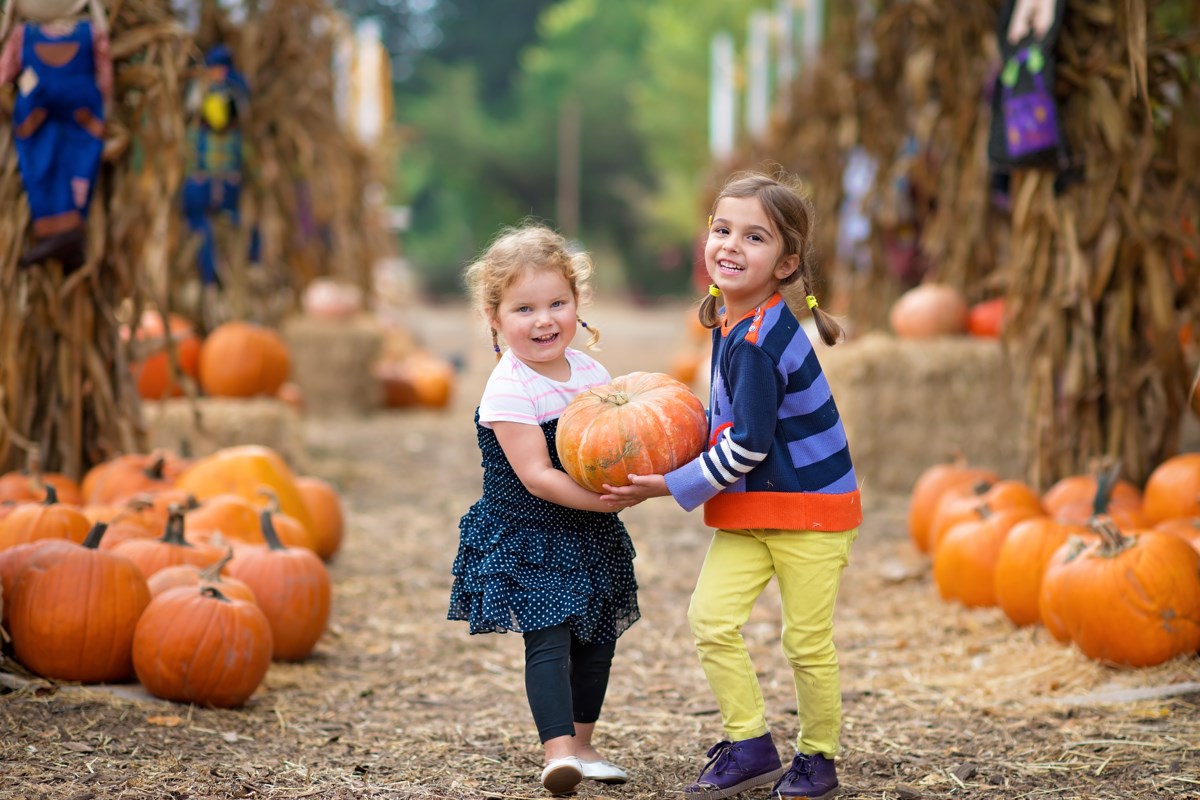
603 771
562 775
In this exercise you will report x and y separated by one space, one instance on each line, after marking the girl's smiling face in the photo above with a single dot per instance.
537 318
743 255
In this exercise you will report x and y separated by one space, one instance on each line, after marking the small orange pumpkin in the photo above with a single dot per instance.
151 555
643 423
1173 489
191 575
48 520
929 488
293 588
197 645
329 519
1026 552
964 561
929 310
151 364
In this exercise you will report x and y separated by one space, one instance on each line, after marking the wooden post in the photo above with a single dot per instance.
722 101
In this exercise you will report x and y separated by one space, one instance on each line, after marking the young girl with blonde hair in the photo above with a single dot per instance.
538 553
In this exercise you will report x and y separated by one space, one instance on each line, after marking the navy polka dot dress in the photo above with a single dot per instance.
525 564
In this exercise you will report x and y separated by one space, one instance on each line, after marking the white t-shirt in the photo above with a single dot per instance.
516 393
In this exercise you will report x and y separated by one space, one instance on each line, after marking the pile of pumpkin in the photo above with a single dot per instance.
236 359
1101 564
191 576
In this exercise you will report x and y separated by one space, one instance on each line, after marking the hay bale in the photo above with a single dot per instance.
331 362
908 404
213 423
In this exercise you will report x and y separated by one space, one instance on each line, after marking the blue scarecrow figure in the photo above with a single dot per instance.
214 182
62 66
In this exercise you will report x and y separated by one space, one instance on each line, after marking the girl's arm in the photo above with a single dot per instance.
525 447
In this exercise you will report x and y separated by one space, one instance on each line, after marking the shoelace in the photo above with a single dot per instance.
802 767
718 756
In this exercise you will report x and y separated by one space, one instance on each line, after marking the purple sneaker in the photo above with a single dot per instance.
734 767
808 778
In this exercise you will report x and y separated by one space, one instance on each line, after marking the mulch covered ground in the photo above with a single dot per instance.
396 702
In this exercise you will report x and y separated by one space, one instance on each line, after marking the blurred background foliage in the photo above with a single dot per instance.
485 97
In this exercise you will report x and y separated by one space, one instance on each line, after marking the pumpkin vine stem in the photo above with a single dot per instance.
155 471
212 572
51 495
268 531
95 535
1112 541
174 530
1106 482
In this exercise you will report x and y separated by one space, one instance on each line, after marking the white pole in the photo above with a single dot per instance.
785 54
758 79
722 103
814 30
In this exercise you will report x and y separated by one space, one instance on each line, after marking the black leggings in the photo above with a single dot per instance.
565 679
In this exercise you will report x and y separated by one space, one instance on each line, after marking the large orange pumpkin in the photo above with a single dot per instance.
241 359
643 423
244 470
74 610
1125 600
195 645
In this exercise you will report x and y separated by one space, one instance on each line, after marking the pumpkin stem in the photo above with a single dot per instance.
155 471
1106 481
1112 541
212 573
214 593
616 398
981 487
272 498
268 531
51 495
95 535
174 530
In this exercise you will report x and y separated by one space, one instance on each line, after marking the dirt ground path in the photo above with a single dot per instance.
396 702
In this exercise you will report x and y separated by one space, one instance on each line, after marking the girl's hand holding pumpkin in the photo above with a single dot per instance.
641 487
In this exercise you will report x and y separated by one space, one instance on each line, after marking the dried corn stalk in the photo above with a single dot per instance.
1100 280
65 390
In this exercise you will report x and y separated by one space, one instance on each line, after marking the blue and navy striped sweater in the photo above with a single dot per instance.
778 455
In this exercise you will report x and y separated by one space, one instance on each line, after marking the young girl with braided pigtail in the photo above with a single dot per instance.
538 553
777 483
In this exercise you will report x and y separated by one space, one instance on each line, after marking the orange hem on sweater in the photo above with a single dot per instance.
801 511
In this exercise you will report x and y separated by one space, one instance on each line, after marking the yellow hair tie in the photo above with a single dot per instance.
713 290
811 300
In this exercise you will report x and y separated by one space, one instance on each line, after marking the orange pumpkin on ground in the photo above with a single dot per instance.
1173 489
964 561
151 363
419 379
244 470
118 479
22 485
196 645
329 519
1001 495
1186 528
151 555
1126 600
1077 498
293 588
643 423
191 575
49 520
929 488
74 610
1026 552
241 359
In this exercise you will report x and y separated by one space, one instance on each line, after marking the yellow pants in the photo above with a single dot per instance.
808 565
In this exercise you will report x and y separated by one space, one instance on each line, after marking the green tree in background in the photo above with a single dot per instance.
511 100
